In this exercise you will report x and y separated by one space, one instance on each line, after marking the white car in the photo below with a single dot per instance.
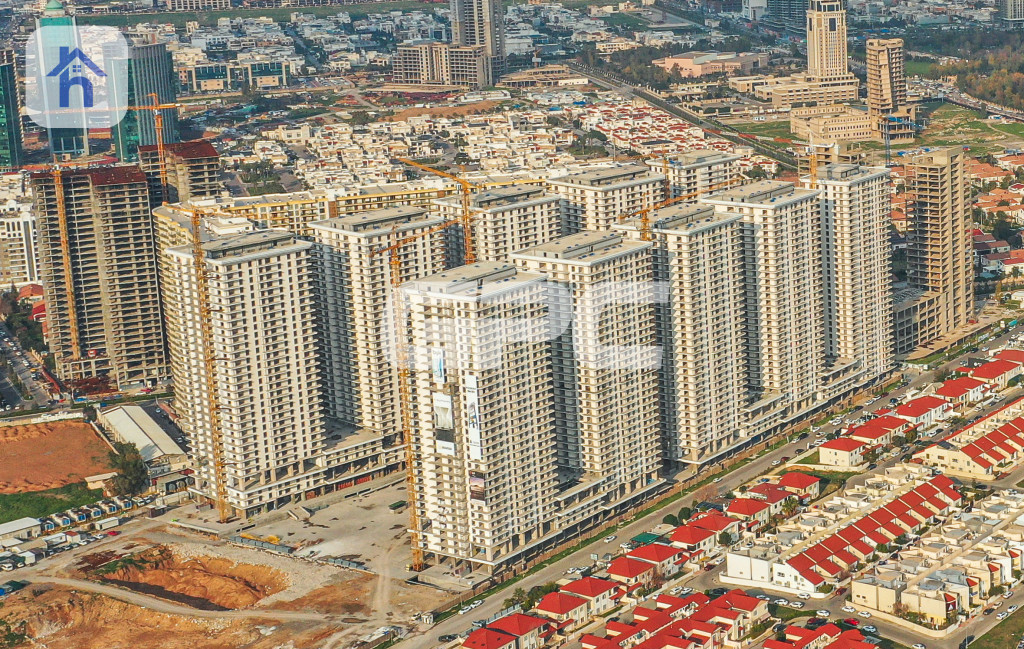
823 613
776 462
869 628
473 605
918 646
1011 609
804 595
796 604
849 609
781 602
610 538
1002 616
864 614
1008 594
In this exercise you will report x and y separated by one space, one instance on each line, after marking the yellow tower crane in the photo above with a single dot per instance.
645 213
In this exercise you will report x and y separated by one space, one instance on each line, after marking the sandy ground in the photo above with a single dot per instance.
445 111
45 456
59 618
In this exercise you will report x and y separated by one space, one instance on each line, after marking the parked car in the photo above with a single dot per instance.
823 613
864 614
849 609
869 628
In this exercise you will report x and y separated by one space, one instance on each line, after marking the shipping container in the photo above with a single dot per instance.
107 523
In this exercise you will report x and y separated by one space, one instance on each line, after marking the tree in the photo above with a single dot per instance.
725 538
670 519
132 474
684 514
518 596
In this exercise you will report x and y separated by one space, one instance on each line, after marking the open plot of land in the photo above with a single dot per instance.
36 504
61 618
37 457
446 111
769 128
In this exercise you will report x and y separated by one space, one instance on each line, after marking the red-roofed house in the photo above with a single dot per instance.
963 390
806 487
693 539
924 411
1012 355
755 512
667 560
715 522
602 594
530 632
632 571
997 372
773 494
872 434
842 452
568 611
489 639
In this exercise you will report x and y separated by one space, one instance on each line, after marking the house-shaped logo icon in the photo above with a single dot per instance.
71 70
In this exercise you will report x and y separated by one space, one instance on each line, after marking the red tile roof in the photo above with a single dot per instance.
920 406
690 535
795 480
844 444
628 568
656 552
560 603
1012 355
588 587
518 624
488 639
713 522
747 506
993 369
956 388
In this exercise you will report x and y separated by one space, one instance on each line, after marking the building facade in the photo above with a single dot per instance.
11 152
597 199
437 63
150 74
97 257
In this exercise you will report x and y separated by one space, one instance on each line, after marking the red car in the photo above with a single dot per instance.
113 533
852 621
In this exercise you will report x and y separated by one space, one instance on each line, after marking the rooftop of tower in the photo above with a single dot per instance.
764 193
586 247
605 177
382 221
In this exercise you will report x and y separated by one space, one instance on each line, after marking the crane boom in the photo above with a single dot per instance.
645 213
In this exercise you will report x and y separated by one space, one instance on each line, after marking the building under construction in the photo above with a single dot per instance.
97 258
192 168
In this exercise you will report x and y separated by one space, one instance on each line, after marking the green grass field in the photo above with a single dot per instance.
627 21
43 503
281 14
776 128
918 68
1004 635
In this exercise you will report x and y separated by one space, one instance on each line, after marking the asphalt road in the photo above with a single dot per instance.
23 368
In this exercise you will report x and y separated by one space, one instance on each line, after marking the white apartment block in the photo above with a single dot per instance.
268 382
785 320
597 199
855 205
355 288
605 363
505 219
694 172
486 476
699 255
18 248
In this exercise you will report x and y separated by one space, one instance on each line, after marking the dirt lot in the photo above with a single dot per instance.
211 583
446 111
59 618
45 456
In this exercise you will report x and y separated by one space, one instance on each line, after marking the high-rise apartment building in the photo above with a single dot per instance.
150 72
18 247
605 364
11 153
448 64
505 219
785 346
1011 11
788 16
699 257
98 264
855 209
485 477
481 23
887 75
355 285
694 172
597 199
192 168
940 270
267 376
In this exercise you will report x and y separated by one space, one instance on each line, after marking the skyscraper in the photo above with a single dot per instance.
263 326
887 75
940 267
855 208
481 22
63 141
98 265
699 256
10 113
594 200
1011 11
486 477
826 39
605 363
150 72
